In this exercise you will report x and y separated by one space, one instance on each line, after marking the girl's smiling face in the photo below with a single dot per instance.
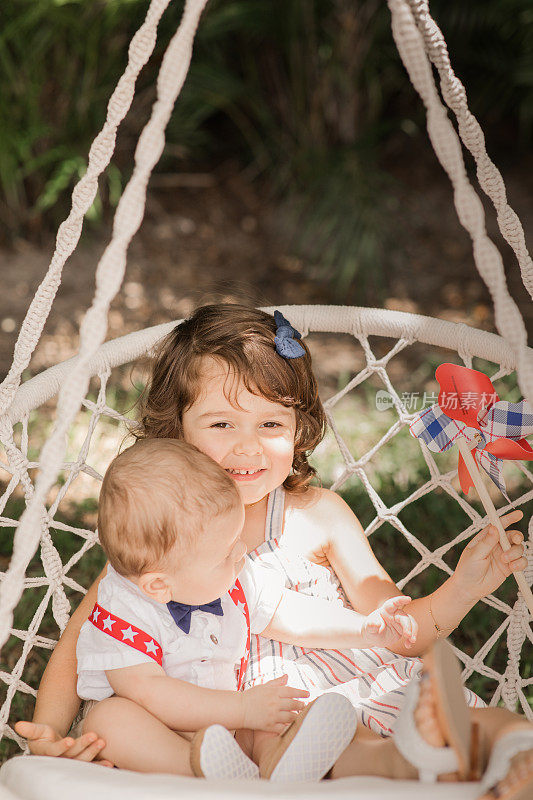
251 437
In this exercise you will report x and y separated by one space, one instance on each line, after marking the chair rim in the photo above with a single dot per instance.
359 321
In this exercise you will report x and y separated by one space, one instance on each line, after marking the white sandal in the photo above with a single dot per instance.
216 754
453 716
508 746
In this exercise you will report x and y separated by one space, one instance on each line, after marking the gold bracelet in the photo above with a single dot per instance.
439 630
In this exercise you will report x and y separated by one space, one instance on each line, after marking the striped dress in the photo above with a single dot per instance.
373 679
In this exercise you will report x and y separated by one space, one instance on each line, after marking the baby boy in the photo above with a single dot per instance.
163 654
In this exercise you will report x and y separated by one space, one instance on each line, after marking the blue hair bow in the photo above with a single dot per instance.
286 338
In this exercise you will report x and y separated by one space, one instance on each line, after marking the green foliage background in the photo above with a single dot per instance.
306 95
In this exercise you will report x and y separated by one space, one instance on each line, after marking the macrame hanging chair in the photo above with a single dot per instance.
421 47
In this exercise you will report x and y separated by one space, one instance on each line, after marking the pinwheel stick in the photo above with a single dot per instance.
493 515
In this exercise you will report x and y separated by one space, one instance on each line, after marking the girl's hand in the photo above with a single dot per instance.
389 625
271 707
484 566
43 740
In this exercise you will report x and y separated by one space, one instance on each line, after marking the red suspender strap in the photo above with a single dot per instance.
239 598
125 632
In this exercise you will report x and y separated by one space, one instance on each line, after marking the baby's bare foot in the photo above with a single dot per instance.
519 777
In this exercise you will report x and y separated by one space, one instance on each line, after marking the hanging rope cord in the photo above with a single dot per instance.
35 521
109 276
360 323
139 51
489 176
447 146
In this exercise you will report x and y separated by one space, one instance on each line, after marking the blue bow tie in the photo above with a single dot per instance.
181 612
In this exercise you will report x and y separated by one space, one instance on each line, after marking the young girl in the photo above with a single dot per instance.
238 383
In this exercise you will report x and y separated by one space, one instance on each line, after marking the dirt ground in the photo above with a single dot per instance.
216 238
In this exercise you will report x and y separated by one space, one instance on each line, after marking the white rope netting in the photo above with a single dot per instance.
109 276
140 50
38 524
447 146
82 472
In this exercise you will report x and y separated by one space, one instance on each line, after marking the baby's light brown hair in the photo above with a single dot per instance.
242 337
156 497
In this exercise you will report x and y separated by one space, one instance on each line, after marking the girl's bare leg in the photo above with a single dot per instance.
370 754
493 724
137 740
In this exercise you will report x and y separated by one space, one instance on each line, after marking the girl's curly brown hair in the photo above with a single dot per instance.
243 338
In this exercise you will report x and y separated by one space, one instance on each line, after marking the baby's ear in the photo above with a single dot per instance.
156 586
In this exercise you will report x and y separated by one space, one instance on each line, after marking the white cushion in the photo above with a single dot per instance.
40 778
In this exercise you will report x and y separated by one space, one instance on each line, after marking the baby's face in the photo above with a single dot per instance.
213 564
256 438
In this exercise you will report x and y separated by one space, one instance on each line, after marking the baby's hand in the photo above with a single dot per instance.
483 565
389 625
271 707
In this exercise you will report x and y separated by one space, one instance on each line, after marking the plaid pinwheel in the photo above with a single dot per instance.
496 428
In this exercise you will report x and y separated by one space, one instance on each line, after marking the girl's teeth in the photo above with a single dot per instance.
243 471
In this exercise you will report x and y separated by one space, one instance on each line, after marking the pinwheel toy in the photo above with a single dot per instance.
487 430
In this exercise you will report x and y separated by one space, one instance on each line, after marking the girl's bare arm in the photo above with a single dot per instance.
316 623
367 584
57 702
